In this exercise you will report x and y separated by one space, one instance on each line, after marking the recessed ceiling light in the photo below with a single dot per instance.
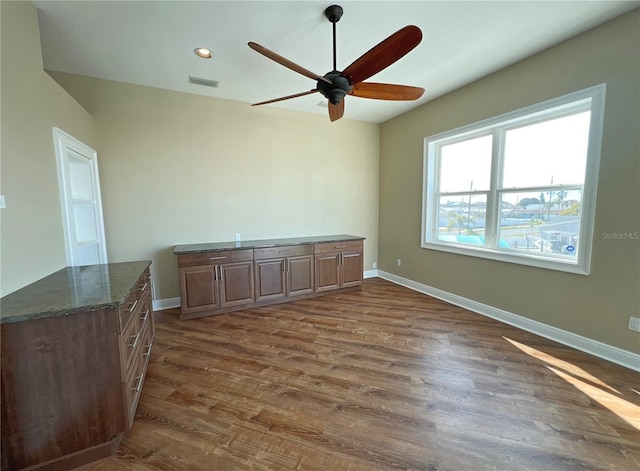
203 52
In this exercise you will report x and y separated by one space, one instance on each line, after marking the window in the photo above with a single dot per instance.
519 187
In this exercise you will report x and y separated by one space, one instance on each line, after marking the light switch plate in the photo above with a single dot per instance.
3 204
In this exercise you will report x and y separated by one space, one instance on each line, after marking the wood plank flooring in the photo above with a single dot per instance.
382 378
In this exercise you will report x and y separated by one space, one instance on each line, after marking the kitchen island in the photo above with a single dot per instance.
75 349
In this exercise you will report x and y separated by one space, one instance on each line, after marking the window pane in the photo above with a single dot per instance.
466 165
462 219
546 222
549 153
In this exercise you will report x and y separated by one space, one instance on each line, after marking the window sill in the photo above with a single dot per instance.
569 265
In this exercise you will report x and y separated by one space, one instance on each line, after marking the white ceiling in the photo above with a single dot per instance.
151 43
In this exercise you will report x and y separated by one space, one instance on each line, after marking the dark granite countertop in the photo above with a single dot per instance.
259 244
72 290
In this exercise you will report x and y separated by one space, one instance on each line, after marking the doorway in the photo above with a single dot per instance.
80 200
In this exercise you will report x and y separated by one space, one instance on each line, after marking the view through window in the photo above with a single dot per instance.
519 187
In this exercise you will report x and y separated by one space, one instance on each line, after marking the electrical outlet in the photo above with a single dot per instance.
398 262
375 264
634 323
238 237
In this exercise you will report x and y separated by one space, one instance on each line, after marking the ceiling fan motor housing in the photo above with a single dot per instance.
338 88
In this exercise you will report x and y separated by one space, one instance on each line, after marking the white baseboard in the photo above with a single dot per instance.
371 273
593 347
169 303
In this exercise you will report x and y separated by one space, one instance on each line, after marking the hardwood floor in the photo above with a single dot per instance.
382 378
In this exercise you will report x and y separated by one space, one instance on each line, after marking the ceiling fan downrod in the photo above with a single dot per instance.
339 85
333 14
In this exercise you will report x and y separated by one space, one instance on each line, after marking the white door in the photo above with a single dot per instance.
80 200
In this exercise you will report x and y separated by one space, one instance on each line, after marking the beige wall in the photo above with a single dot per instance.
595 306
31 234
177 168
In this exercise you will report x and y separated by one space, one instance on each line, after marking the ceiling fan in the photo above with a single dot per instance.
335 85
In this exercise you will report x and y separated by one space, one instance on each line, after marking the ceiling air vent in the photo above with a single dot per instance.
203 82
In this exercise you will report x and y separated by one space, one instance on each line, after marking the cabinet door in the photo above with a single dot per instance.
236 284
198 289
327 271
270 279
300 275
351 269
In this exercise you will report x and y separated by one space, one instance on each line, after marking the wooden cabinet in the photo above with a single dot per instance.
72 375
300 275
282 272
136 340
338 265
216 280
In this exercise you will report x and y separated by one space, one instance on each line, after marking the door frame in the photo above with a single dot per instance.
63 142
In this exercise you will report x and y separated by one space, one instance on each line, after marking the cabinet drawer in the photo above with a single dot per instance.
130 343
128 310
133 386
281 252
145 315
332 247
144 285
146 342
214 258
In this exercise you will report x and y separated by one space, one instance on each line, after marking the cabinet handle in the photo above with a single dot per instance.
133 306
341 246
144 316
148 352
220 272
139 385
144 287
135 338
217 258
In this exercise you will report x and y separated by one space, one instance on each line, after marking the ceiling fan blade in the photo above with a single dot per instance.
286 97
384 54
336 111
286 62
386 91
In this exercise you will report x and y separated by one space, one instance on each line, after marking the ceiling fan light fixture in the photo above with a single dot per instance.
203 52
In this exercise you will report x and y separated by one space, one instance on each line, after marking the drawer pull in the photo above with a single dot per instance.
133 306
148 352
217 258
134 341
144 316
341 246
144 287
139 385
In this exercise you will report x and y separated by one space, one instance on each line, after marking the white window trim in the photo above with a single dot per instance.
581 264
